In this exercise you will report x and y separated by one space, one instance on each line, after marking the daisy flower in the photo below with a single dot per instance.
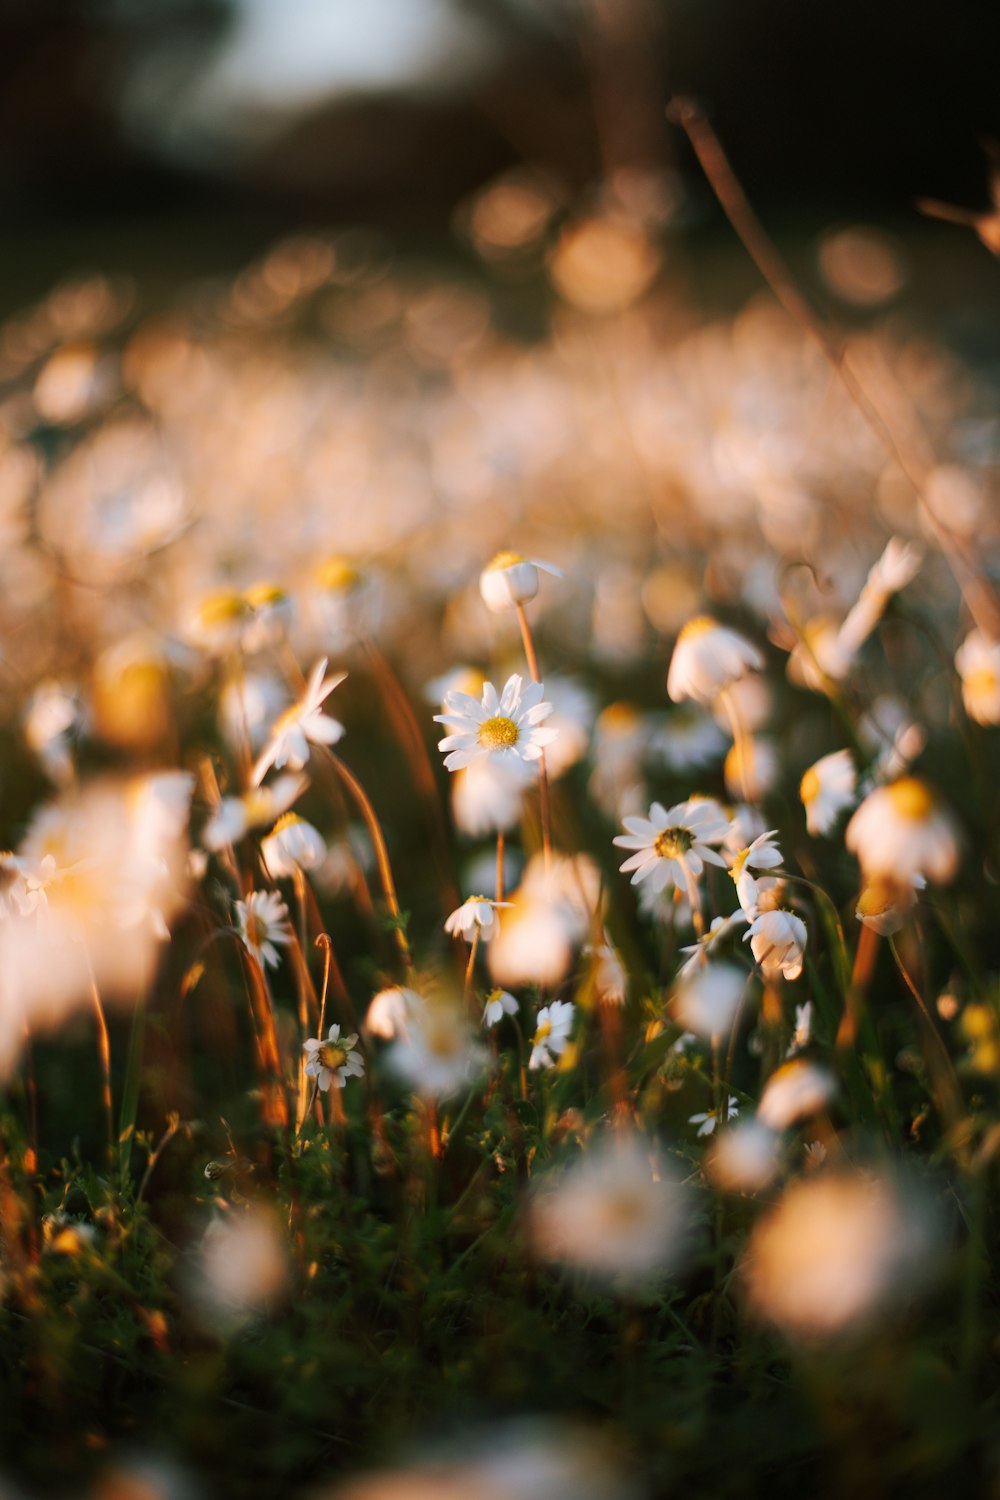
335 1060
476 914
512 579
390 1012
827 789
507 728
885 902
707 999
707 1121
262 921
707 658
305 721
977 661
292 845
797 1090
499 1003
551 1033
436 1054
234 816
761 854
745 1158
721 928
672 845
899 830
778 941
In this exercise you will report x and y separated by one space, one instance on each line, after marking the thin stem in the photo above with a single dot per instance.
360 796
979 597
500 854
471 966
543 776
104 1056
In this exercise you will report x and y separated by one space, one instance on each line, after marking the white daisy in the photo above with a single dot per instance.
507 728
335 1060
499 1003
672 844
708 1119
305 721
262 921
552 1031
707 658
476 914
293 845
797 1090
512 579
778 940
827 789
900 830
977 661
761 854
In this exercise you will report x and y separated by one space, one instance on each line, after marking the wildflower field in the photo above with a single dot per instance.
499 933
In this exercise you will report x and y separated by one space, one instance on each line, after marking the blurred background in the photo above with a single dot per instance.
181 136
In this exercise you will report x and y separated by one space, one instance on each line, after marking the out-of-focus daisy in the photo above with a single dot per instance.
778 942
552 1030
751 767
343 603
617 1211
762 854
390 1011
241 1267
270 614
803 1028
835 1249
236 815
885 902
620 739
511 579
708 1119
292 845
721 929
707 658
499 1003
745 1158
708 997
673 844
895 740
477 914
249 706
218 621
262 922
977 662
333 1061
898 566
571 721
798 1089
607 973
508 728
54 719
827 789
301 724
436 1054
488 795
686 739
900 830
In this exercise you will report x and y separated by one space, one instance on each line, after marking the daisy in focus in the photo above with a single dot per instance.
778 942
511 579
300 725
509 728
476 916
673 845
762 854
262 923
333 1061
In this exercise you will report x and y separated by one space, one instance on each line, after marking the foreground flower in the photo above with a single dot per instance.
507 728
499 1003
745 1158
292 845
797 1090
607 973
707 998
477 914
617 1211
235 816
552 1031
835 1249
899 830
707 658
300 725
512 579
241 1267
827 789
885 902
977 661
335 1060
762 854
436 1054
262 922
778 943
390 1011
672 845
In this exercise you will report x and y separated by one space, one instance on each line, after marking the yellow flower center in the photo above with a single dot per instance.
700 625
256 930
545 1030
285 821
337 574
221 609
619 716
736 869
264 595
504 560
673 842
332 1056
911 799
982 683
878 896
809 787
498 733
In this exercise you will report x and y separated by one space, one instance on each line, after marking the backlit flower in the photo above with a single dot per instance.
292 845
236 815
476 914
707 658
437 1054
301 724
552 1030
262 922
512 579
977 662
798 1089
707 998
886 901
827 789
509 728
778 942
333 1061
499 1003
672 845
762 854
900 830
